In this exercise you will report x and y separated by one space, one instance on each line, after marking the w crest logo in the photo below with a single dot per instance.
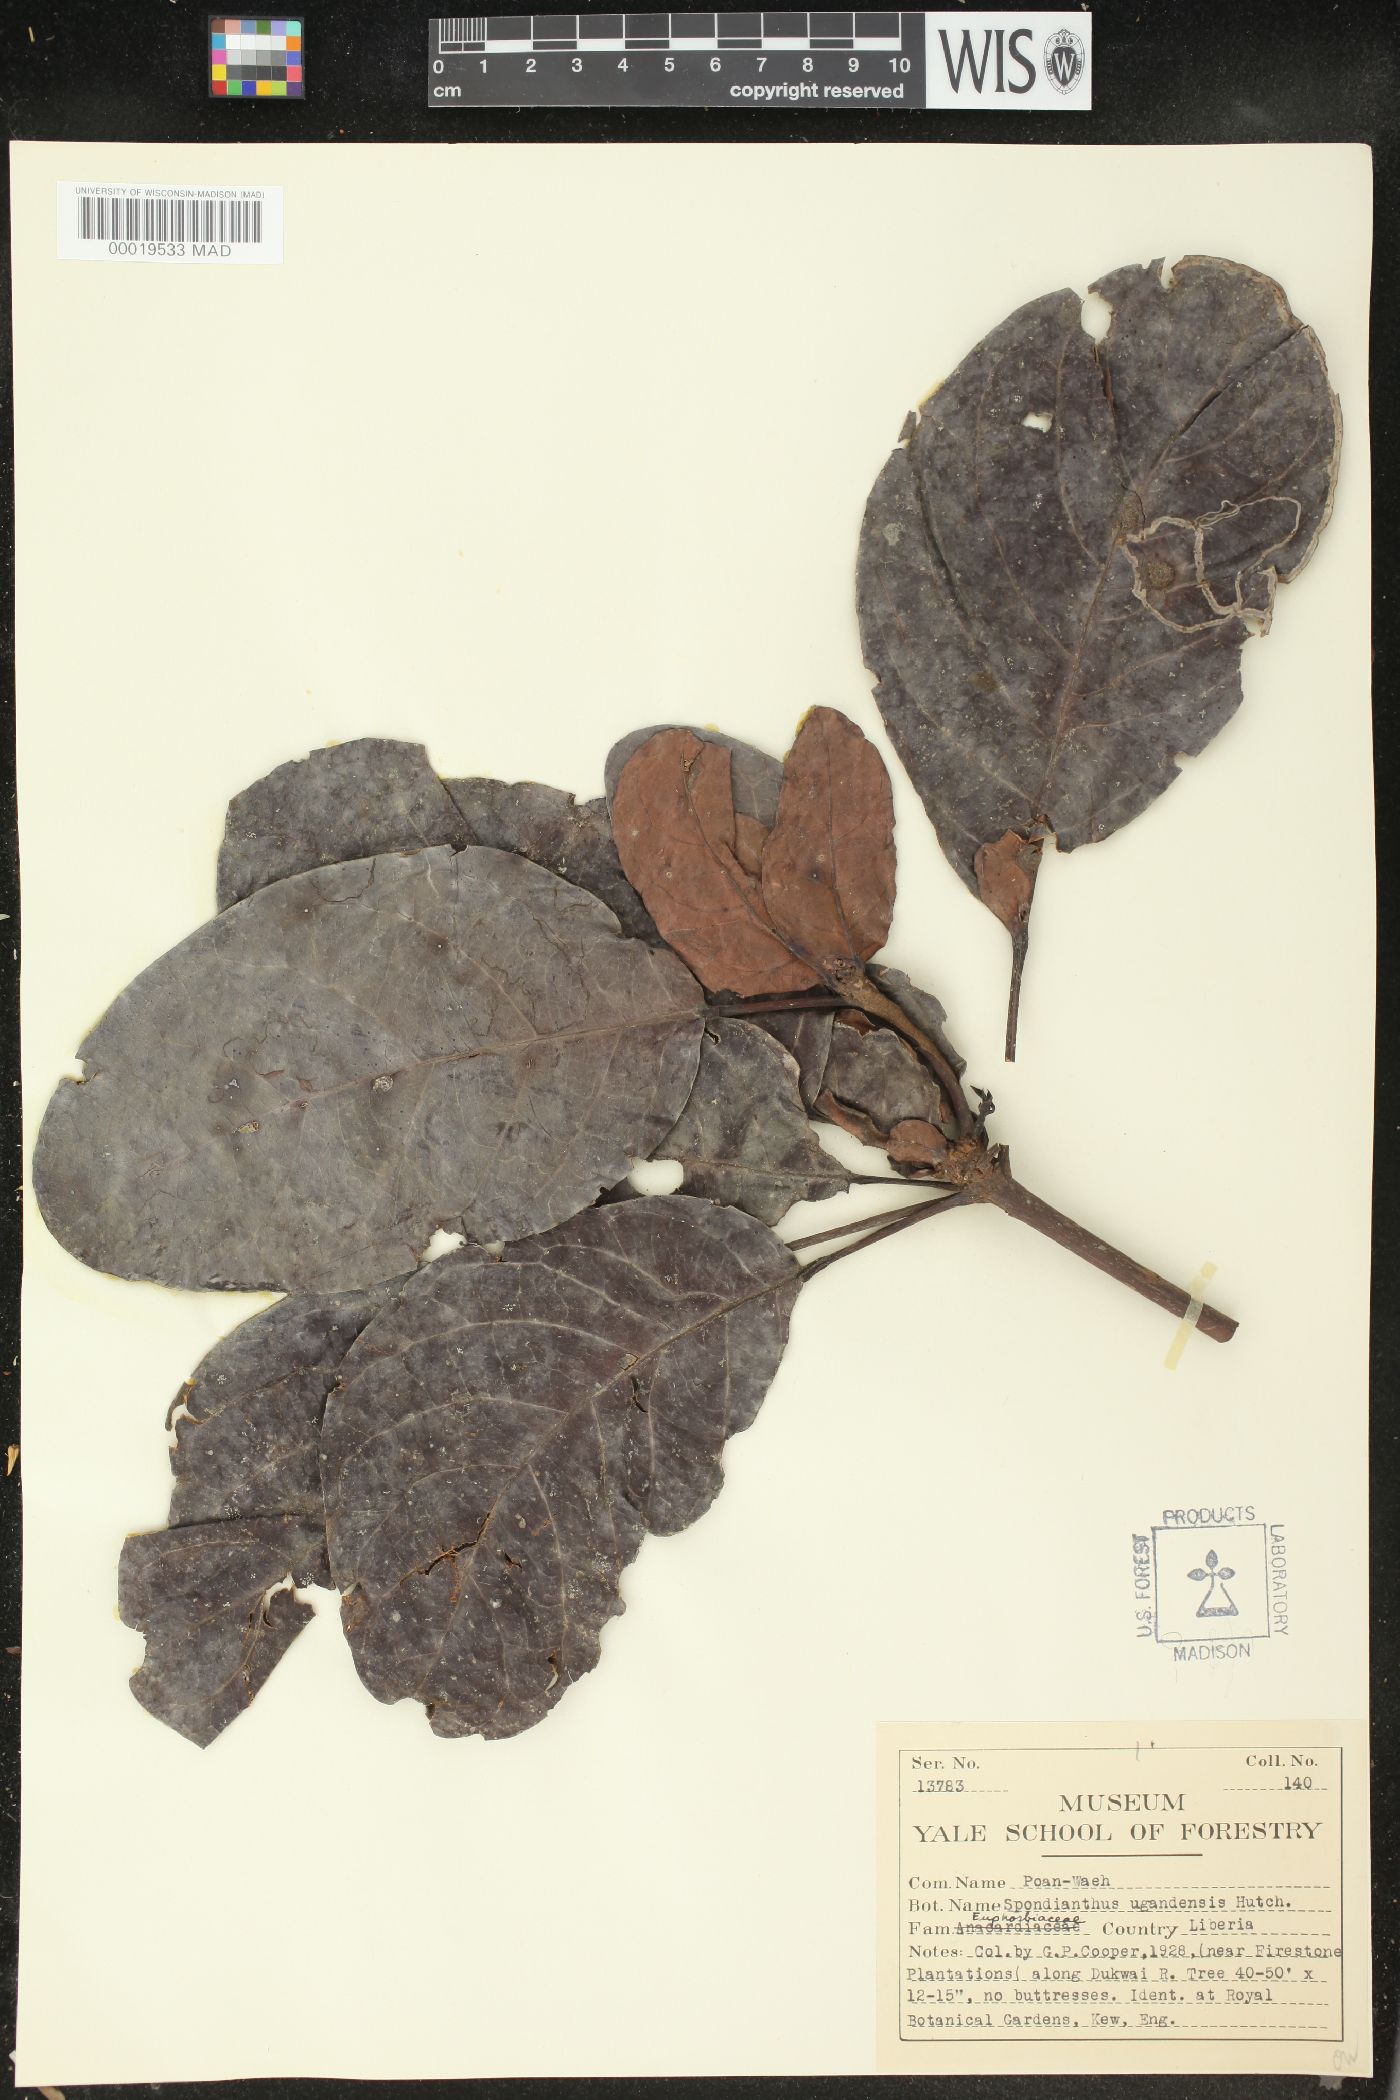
1064 60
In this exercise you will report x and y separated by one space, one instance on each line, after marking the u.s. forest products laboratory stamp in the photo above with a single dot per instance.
1117 1896
1210 1581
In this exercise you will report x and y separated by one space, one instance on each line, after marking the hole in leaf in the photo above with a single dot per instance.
1095 315
1037 420
442 1242
656 1177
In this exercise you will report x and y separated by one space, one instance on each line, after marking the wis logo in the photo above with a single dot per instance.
1005 65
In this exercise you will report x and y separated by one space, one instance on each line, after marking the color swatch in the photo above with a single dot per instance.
255 55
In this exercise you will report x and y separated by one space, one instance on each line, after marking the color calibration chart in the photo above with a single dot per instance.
252 55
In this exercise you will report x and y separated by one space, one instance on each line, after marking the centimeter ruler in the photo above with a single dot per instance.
906 60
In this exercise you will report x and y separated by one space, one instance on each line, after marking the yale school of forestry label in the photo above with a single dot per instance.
1182 1902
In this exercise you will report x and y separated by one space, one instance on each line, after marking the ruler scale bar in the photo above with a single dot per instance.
827 59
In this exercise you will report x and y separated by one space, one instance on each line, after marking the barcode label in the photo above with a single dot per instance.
157 222
168 219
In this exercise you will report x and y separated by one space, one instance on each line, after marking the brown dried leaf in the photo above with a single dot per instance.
914 1144
750 838
755 776
674 822
829 866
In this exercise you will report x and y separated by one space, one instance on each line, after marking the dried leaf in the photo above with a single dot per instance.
674 822
572 839
743 1136
307 1088
509 1429
756 777
828 866
375 795
750 839
918 1145
248 1421
807 1039
215 1622
246 1512
1059 569
878 1078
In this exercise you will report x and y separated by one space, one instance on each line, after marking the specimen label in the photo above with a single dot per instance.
1129 1896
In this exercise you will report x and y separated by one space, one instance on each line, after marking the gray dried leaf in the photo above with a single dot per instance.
743 1136
877 1077
206 1597
1059 568
756 777
807 1039
248 1421
306 1089
509 1429
374 795
572 839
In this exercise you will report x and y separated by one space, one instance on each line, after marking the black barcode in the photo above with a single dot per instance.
170 219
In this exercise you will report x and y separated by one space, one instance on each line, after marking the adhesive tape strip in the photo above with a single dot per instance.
1189 1317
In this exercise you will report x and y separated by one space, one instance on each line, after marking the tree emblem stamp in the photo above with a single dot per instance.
1210 1581
1217 1602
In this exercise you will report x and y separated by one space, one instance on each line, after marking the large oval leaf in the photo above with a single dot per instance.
508 1430
305 1090
1059 567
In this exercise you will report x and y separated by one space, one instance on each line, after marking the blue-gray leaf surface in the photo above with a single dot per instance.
743 1136
246 1513
300 1094
1060 564
248 1419
572 839
375 794
507 1431
209 1600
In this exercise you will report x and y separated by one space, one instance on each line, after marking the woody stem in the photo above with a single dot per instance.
1002 1189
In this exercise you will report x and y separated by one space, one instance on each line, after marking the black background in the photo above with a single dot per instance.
1165 71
